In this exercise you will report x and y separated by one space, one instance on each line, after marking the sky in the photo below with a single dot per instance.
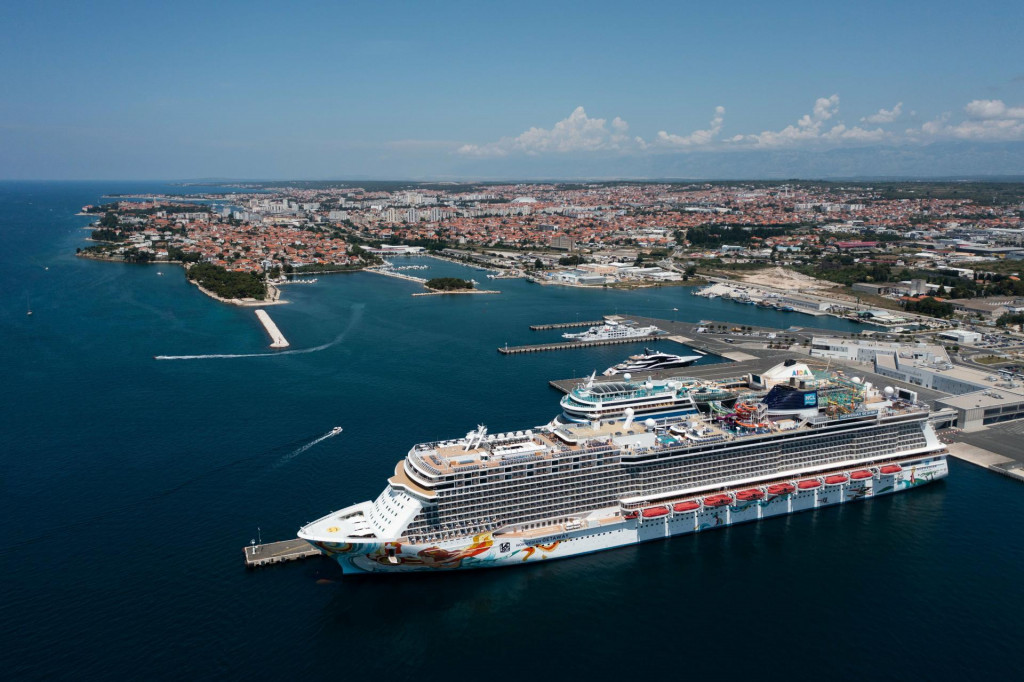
524 90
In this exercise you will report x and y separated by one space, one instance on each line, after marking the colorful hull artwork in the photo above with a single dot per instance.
498 549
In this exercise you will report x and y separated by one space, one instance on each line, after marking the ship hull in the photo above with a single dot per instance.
489 550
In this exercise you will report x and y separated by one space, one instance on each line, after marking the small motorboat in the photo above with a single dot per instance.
336 430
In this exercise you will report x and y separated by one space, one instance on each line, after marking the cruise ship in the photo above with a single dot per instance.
606 400
563 490
613 330
650 361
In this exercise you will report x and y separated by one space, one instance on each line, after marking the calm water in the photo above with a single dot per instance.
128 487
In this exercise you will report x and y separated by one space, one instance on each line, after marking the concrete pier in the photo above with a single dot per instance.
566 345
987 459
278 552
566 325
277 339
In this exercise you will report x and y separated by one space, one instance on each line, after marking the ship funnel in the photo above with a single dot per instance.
629 417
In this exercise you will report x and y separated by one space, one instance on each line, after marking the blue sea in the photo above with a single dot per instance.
129 485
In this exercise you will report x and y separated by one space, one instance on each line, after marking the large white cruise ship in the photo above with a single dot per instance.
613 330
562 490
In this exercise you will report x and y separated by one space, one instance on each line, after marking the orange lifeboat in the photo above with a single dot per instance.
861 475
836 479
632 515
717 500
891 469
809 484
655 512
781 489
685 506
748 495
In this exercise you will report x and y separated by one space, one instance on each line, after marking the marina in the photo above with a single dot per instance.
277 339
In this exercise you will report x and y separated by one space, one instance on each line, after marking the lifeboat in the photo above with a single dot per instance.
655 512
632 515
836 479
717 500
891 469
685 506
809 484
748 495
861 475
781 489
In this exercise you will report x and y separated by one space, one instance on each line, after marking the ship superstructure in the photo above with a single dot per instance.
565 489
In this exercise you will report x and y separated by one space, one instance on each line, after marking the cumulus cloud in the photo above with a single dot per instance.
992 109
988 120
981 121
577 133
885 115
807 129
698 137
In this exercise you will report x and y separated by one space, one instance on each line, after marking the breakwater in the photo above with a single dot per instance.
277 339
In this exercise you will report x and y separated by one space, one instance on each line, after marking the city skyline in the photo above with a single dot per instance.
249 91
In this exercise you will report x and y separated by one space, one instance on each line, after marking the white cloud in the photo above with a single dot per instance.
992 109
983 121
577 133
696 138
807 129
989 120
885 115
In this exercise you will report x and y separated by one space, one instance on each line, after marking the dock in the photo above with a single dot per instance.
397 275
566 325
277 339
569 345
278 552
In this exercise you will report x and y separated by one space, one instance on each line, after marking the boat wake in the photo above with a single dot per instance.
298 451
358 313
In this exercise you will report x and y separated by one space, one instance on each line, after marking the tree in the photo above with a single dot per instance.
448 284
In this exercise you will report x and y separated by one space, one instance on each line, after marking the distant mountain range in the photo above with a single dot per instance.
947 160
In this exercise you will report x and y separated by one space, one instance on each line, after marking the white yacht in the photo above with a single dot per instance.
651 360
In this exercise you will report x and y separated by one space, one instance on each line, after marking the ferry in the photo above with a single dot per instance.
566 489
613 330
650 361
